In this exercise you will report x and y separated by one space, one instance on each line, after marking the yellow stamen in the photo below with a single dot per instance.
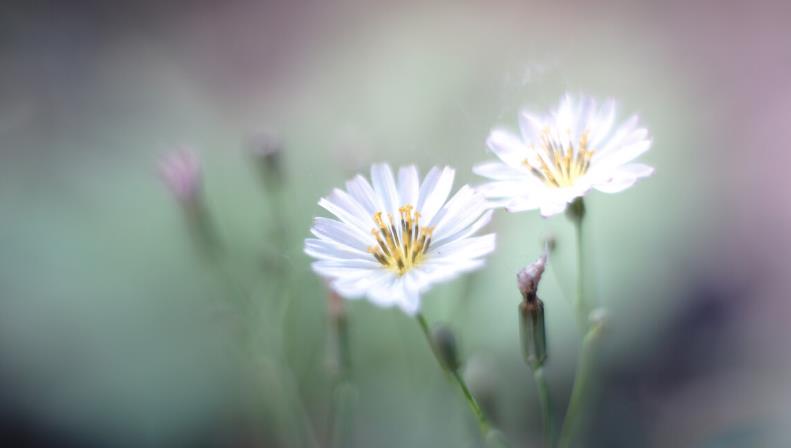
559 165
401 247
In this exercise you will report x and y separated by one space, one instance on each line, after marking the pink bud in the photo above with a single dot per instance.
181 172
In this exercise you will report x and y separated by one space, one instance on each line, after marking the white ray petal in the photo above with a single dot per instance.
385 187
508 147
359 188
408 185
332 230
436 197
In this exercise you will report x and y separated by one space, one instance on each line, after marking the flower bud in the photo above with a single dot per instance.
445 345
576 210
181 172
550 244
531 314
266 148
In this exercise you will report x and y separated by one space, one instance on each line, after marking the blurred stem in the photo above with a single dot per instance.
581 386
483 423
343 391
546 406
580 305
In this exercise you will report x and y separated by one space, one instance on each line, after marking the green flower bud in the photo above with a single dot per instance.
531 314
266 149
445 345
576 210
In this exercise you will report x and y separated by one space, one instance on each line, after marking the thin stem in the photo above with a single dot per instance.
483 423
546 406
581 386
580 305
343 391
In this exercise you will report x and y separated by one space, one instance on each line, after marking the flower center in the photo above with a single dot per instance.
559 161
400 246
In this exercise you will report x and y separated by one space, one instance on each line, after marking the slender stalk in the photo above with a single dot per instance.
483 423
581 385
580 305
546 406
343 391
582 379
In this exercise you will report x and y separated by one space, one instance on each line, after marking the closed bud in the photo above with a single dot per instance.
266 148
446 347
550 244
531 314
576 210
180 170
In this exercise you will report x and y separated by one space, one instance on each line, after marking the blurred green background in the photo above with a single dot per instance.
115 331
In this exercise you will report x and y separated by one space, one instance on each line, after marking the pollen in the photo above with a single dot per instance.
401 243
559 161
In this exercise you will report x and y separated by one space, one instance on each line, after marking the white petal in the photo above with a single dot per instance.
522 204
387 293
619 156
359 285
460 215
459 200
408 185
431 199
410 300
550 208
348 217
623 178
326 270
500 171
602 123
510 188
566 114
332 230
616 184
385 187
637 169
468 231
508 147
468 248
361 190
329 250
531 126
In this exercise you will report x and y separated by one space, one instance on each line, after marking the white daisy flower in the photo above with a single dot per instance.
561 156
393 240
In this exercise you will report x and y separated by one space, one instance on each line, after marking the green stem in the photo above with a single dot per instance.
580 305
581 385
546 406
343 391
483 423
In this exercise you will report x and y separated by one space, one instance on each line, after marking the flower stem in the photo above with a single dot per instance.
580 305
483 423
581 386
546 406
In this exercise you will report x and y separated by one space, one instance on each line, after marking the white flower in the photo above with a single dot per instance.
561 156
392 240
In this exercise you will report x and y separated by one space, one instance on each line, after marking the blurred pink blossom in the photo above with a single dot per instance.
181 172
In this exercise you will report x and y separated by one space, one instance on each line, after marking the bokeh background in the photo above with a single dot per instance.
115 330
